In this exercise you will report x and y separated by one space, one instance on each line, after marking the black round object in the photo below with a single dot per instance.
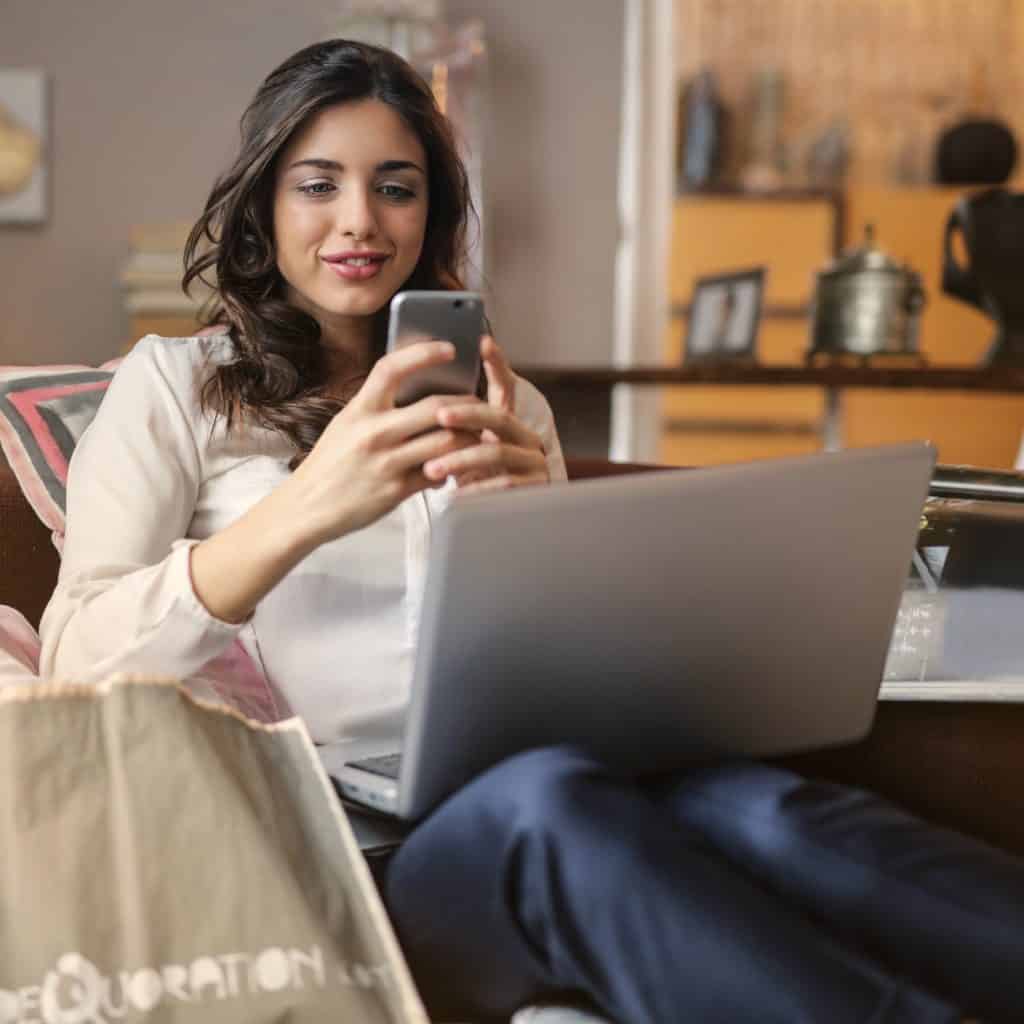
975 152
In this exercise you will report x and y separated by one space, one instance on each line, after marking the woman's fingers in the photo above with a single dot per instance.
481 485
429 447
398 425
501 382
480 416
487 460
509 453
379 390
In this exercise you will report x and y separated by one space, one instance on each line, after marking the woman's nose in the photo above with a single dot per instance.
357 217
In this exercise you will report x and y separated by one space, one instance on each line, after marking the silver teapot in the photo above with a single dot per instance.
866 304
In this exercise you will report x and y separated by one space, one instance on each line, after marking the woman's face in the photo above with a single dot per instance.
350 211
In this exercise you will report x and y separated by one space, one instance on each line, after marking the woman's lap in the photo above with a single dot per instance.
548 872
937 905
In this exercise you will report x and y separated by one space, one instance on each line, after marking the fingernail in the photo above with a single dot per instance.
434 469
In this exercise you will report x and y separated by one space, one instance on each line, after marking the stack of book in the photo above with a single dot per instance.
151 284
151 278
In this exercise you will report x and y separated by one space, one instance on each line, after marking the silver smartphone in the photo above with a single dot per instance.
457 317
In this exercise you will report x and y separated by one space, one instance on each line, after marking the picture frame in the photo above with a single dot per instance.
724 317
24 146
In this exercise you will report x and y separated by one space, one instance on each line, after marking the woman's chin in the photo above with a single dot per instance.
351 299
365 304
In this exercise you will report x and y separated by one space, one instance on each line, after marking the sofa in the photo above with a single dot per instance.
959 764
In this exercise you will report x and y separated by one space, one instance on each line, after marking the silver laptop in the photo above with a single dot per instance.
654 619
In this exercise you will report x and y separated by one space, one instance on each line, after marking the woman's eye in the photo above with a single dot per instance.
399 192
317 188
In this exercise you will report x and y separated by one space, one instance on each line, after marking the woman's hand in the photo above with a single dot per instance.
371 456
367 461
508 453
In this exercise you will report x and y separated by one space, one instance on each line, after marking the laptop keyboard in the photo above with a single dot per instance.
387 765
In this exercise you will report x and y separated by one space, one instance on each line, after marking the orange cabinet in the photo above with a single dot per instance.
794 236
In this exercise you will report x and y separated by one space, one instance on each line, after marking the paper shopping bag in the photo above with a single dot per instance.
163 859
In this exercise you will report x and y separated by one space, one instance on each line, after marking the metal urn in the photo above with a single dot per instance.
866 304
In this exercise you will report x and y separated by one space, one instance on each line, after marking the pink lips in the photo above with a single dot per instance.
355 265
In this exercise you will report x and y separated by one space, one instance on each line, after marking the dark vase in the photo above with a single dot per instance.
991 224
976 151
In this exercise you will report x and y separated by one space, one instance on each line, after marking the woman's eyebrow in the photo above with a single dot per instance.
333 165
400 165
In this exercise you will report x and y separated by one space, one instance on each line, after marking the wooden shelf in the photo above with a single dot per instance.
929 378
770 311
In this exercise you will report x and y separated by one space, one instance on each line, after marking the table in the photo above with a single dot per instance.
947 736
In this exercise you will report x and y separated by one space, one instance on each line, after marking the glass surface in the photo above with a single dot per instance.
961 617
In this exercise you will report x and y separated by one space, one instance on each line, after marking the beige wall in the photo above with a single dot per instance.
145 104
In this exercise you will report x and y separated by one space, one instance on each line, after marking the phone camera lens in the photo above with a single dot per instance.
457 303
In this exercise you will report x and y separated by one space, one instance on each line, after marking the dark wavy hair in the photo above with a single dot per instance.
279 372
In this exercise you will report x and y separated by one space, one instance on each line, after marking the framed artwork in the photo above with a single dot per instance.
724 316
23 146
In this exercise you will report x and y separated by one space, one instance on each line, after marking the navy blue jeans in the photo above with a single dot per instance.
734 893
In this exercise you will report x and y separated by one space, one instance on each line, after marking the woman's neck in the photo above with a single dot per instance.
351 342
347 340
348 351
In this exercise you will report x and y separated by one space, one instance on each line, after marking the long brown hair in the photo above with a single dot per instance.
279 372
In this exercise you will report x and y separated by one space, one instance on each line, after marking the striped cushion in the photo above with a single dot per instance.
43 412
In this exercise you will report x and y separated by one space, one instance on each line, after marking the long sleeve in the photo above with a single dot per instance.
533 409
124 599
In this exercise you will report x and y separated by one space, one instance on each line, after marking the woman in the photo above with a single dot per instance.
257 484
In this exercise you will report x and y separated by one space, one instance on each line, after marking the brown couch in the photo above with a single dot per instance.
960 764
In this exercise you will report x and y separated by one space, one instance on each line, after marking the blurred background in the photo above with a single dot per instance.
802 124
144 99
621 152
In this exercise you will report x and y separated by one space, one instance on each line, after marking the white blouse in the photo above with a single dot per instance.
153 475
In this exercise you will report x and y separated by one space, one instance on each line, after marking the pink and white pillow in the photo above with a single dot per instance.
44 410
